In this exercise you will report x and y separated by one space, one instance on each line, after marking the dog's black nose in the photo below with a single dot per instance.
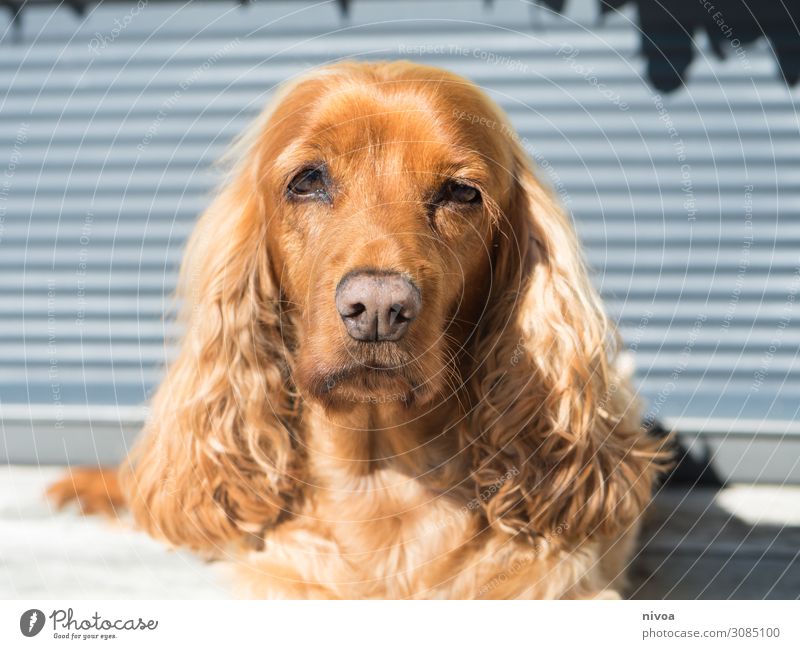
377 305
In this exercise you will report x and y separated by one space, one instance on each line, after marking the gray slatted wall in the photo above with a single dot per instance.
689 205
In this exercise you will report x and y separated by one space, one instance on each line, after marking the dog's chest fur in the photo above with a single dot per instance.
379 529
385 535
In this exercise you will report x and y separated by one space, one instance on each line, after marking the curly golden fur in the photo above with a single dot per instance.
492 452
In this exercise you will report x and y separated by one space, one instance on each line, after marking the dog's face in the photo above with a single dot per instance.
383 239
385 193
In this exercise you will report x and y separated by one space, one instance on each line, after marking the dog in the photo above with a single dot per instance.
396 379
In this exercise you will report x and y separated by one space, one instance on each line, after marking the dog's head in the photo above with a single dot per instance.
383 187
383 240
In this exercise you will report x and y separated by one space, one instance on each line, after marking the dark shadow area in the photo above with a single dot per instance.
669 29
691 548
687 470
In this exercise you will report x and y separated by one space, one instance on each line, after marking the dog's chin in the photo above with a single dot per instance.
369 386
374 375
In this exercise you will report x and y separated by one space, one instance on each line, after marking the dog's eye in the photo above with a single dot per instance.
460 193
309 182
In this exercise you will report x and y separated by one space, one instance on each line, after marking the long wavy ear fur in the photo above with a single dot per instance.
555 431
217 463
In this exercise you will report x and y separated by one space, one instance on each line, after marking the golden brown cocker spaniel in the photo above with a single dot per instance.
396 379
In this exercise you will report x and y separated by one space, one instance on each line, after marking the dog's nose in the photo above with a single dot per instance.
377 306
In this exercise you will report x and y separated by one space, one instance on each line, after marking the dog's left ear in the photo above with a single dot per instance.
555 431
217 462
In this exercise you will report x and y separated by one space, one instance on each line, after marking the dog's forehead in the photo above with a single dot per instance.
350 121
428 123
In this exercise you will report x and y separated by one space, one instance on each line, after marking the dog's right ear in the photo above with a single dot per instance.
555 429
216 463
